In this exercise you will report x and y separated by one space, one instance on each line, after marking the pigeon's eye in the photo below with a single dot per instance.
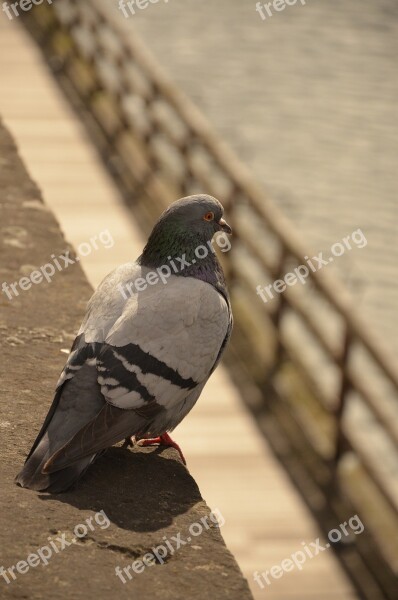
209 216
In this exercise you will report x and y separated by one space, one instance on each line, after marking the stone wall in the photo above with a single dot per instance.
131 501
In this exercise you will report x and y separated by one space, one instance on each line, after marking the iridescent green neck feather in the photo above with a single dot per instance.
170 241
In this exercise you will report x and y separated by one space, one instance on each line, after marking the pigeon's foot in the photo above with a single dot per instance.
162 440
129 442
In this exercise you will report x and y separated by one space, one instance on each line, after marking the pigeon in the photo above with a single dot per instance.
154 331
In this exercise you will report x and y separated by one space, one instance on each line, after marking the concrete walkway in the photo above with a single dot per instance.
265 519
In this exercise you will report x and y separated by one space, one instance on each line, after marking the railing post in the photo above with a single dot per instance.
276 317
345 386
228 258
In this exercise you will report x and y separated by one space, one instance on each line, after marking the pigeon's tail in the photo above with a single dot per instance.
75 404
31 475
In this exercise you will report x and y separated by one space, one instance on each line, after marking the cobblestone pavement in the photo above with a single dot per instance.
308 99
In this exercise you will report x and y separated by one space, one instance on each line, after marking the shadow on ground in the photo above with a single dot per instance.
139 490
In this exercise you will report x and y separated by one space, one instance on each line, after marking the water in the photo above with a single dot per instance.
308 100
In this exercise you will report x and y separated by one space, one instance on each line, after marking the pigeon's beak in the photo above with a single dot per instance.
224 226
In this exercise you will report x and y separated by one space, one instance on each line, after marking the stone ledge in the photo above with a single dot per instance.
147 495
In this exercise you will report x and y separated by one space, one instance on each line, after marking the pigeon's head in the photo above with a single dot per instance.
199 214
185 225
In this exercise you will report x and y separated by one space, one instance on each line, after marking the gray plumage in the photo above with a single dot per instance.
142 358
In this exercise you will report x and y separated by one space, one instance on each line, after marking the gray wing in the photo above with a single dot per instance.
152 361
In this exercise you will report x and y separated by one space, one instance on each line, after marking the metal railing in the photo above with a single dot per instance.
159 147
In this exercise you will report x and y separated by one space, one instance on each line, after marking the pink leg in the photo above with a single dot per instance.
162 440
